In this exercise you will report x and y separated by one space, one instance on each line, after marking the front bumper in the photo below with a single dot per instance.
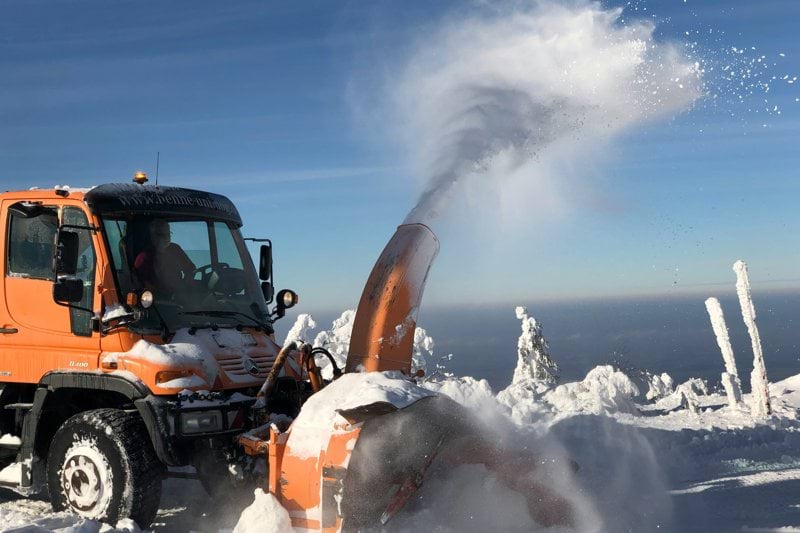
173 439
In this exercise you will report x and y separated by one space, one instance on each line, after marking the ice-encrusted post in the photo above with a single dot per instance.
758 378
730 378
533 355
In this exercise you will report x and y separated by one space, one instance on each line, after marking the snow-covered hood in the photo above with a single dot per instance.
214 360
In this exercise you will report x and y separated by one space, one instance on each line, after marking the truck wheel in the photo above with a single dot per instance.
102 466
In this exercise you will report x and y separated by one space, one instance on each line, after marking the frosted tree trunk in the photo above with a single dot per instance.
533 355
758 378
730 378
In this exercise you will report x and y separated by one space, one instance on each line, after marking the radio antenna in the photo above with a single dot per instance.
158 161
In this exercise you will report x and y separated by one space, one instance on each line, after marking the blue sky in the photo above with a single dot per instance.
255 100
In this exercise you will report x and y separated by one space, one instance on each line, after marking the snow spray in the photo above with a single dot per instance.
484 96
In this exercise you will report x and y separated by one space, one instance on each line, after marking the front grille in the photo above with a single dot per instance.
234 364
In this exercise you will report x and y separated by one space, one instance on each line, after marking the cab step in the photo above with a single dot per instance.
19 406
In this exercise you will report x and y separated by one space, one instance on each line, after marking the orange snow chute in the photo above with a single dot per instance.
384 325
321 488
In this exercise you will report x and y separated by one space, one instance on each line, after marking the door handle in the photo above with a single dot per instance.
8 330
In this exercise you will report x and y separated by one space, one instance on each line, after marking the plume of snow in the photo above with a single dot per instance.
485 95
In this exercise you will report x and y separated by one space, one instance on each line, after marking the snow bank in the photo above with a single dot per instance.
603 391
264 515
525 401
474 394
68 523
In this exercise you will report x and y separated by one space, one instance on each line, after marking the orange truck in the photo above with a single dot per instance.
134 336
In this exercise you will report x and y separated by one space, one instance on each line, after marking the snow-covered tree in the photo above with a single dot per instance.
337 341
659 386
533 355
758 378
730 378
301 328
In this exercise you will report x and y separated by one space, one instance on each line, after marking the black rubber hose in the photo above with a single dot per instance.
336 370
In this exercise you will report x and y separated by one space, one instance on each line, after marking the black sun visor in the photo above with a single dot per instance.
125 198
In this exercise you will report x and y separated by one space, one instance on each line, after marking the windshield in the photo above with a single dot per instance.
198 270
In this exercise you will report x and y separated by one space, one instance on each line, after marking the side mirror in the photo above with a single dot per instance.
265 264
286 300
268 290
65 262
68 290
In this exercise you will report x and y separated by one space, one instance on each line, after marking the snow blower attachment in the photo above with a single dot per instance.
360 447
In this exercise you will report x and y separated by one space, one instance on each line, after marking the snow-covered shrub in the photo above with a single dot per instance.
525 401
660 386
603 391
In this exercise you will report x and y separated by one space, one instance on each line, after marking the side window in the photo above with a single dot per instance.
115 233
227 252
31 236
80 318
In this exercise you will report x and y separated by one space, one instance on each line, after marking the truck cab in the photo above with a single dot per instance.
134 335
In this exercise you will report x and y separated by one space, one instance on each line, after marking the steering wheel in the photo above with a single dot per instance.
207 272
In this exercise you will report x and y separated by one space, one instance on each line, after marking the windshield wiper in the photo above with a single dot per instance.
221 313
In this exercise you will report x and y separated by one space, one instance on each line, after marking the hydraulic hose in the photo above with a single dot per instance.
269 383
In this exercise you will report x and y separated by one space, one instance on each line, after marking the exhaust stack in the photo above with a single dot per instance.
383 329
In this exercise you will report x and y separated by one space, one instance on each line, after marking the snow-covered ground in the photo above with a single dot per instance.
683 460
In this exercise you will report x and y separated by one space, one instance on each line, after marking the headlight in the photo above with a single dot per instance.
201 422
146 299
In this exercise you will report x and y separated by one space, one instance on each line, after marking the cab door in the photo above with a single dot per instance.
41 335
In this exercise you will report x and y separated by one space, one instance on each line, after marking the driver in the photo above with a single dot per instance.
163 265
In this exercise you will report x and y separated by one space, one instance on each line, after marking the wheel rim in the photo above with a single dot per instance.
86 480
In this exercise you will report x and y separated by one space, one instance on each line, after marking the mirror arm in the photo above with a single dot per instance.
73 306
75 226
